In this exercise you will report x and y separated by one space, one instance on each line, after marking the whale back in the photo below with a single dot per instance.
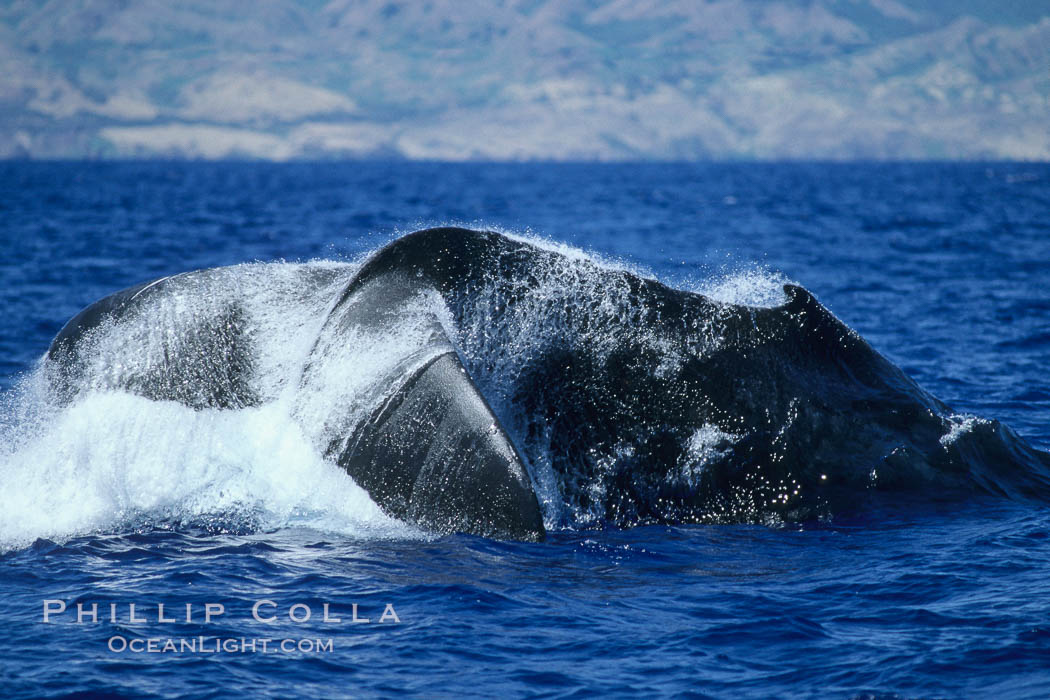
465 378
635 402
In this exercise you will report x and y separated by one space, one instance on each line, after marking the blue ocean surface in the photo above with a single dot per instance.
117 500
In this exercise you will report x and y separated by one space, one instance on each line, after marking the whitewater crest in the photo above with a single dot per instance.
457 376
180 413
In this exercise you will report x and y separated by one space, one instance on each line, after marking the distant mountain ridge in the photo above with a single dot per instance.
526 79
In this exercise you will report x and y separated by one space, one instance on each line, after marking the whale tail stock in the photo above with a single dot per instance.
431 451
434 454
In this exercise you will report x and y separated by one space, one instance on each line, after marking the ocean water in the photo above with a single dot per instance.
117 500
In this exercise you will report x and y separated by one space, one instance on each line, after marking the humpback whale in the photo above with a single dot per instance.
490 385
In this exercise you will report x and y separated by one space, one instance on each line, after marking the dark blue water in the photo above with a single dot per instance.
943 268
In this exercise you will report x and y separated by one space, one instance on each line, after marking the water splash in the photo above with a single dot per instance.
104 458
759 287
